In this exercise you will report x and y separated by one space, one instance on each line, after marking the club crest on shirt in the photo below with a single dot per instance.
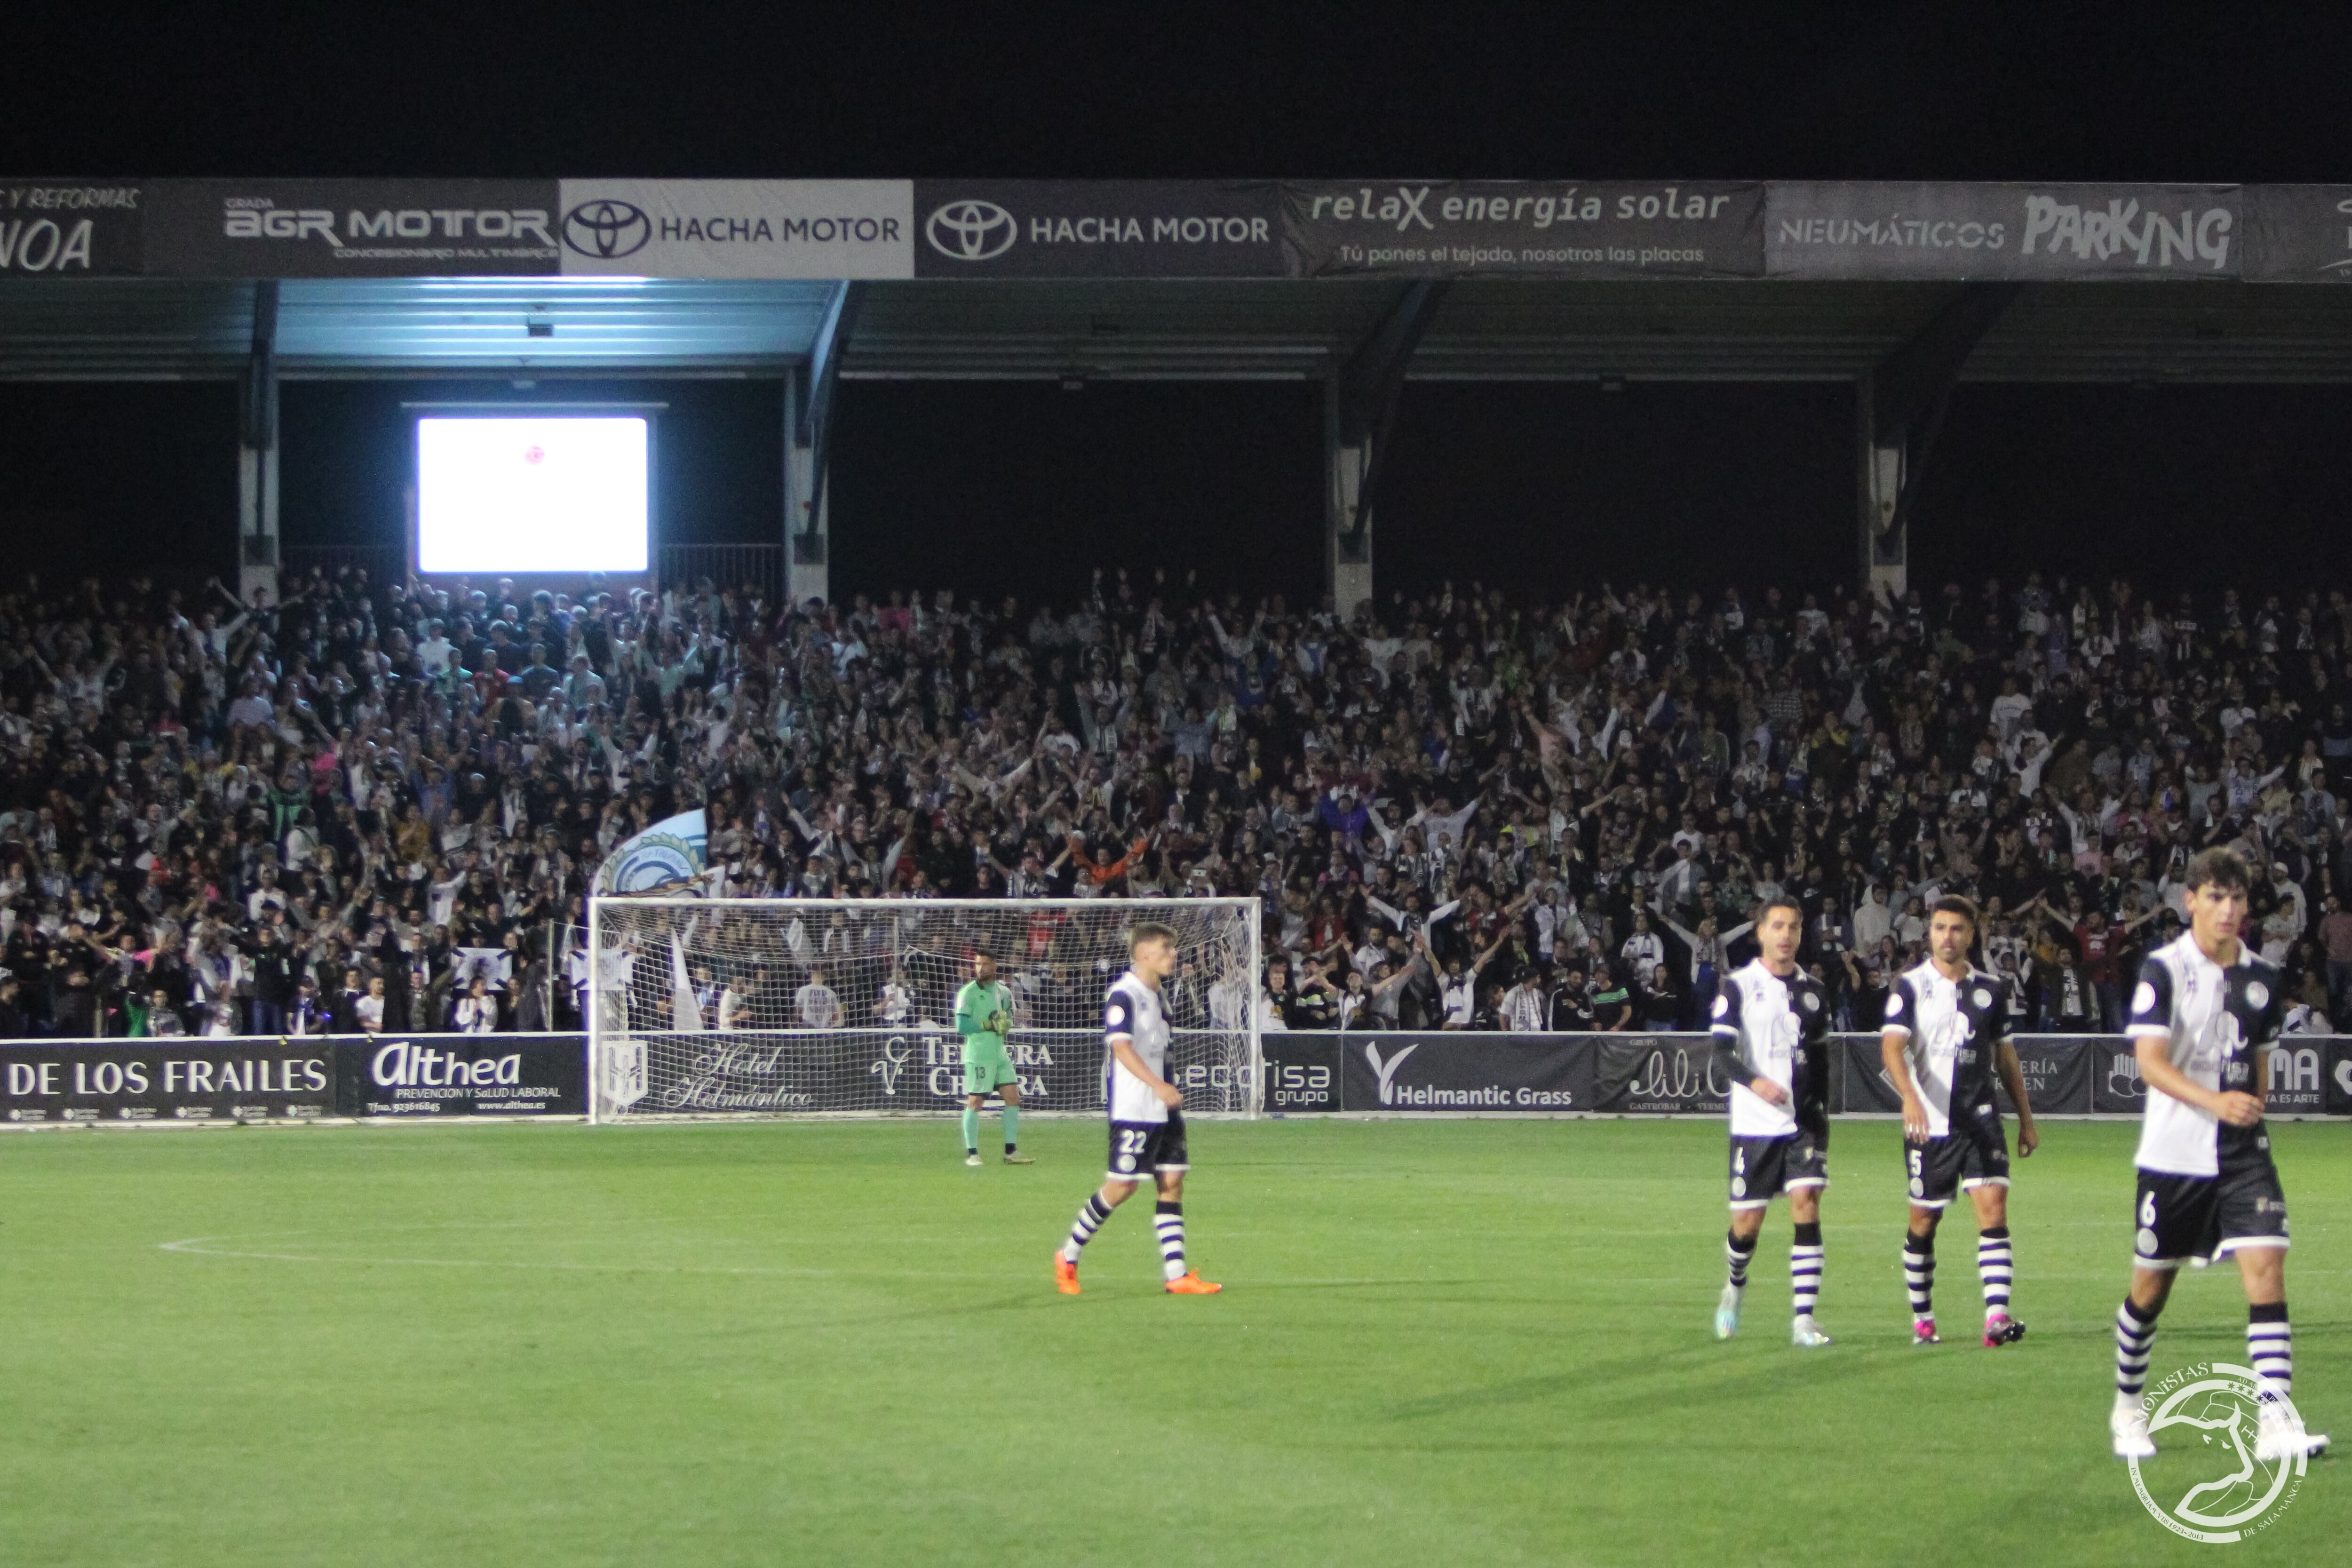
1810 1003
2257 995
1980 996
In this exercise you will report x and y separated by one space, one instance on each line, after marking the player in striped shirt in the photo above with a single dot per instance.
2202 1022
1147 1116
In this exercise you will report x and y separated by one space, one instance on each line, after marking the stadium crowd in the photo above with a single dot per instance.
378 807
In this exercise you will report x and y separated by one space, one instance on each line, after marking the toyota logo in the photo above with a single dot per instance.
970 230
606 229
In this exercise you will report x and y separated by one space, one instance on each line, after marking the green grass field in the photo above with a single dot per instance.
1440 1342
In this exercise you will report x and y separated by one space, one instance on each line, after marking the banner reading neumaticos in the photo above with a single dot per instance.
1860 229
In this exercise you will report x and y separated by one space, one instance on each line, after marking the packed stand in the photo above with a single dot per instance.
367 809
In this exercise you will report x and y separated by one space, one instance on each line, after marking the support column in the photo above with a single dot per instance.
806 507
809 452
256 454
1885 532
1900 406
1347 549
1360 415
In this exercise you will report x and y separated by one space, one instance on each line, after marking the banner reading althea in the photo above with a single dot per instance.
1523 228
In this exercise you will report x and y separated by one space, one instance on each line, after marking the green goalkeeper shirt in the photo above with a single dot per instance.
975 1003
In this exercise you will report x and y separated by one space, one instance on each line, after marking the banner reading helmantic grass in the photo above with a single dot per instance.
1523 228
1862 229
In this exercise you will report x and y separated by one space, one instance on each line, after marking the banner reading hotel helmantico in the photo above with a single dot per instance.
1523 228
1865 230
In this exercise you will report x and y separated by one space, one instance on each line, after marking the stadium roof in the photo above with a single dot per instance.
1484 328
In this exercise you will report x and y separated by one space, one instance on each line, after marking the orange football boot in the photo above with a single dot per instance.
1191 1285
1066 1275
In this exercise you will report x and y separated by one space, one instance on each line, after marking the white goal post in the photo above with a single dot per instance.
847 1007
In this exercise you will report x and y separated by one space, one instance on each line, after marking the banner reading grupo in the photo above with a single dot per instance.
1454 228
166 1079
1863 229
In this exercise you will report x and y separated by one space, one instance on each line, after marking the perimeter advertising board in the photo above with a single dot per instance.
71 227
463 1075
2299 233
738 228
351 228
166 1081
1454 228
1098 228
1865 230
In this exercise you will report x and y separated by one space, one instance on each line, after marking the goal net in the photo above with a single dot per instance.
709 1006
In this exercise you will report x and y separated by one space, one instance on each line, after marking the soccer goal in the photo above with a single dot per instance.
715 1006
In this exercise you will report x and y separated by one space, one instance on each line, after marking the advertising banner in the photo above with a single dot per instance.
1487 1073
738 228
1650 1075
1461 228
462 1075
2057 1070
2339 1075
1892 229
2299 1072
2299 233
349 228
1098 228
916 1069
166 1081
1302 1071
71 227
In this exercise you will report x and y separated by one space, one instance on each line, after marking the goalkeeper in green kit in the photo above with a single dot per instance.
983 1017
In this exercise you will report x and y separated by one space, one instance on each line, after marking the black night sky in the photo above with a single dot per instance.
1021 487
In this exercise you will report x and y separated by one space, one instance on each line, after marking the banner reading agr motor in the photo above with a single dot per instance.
351 228
1866 229
1523 228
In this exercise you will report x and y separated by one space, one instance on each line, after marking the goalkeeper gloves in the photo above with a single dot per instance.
998 1022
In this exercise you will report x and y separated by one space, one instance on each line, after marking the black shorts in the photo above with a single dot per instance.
1141 1148
2196 1217
1764 1168
1975 1153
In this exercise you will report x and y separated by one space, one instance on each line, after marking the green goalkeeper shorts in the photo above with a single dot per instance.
986 1068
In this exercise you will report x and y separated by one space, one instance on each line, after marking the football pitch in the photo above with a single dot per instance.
1440 1342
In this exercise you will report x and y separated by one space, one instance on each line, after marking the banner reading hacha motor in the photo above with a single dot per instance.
1098 228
